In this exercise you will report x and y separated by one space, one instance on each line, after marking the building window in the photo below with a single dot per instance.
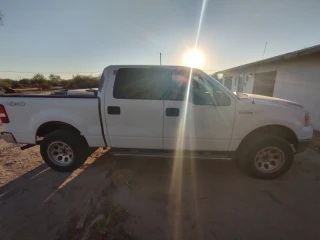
228 82
240 84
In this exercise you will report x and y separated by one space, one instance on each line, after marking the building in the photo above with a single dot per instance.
294 76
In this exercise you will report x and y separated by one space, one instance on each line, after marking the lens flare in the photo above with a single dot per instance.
175 191
193 58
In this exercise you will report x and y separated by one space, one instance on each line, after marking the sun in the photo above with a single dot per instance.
193 58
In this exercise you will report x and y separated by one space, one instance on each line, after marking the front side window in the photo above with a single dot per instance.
202 91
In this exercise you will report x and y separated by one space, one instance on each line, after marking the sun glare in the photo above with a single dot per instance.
193 58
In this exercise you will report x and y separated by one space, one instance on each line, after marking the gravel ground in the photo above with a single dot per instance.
205 199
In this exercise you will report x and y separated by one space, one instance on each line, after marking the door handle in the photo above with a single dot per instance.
172 112
113 110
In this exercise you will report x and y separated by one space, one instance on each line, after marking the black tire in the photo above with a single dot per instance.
247 154
68 138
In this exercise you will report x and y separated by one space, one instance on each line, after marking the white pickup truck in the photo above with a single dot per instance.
160 111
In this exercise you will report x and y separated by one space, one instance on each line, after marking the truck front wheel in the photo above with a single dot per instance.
268 157
64 150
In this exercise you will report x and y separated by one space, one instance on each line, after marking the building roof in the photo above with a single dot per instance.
305 51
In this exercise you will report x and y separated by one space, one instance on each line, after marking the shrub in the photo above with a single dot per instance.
39 81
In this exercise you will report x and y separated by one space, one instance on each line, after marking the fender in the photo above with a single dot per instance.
245 125
55 115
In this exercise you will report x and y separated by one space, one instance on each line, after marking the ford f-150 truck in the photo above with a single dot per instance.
159 111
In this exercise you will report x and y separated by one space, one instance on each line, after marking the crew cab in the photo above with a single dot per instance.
166 111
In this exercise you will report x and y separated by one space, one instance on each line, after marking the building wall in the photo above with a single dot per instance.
297 79
248 84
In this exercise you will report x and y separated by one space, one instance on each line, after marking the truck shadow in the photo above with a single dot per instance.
56 202
53 201
49 199
41 175
206 199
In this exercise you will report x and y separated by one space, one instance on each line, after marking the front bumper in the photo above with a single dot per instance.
303 145
8 137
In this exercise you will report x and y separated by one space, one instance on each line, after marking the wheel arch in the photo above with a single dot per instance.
274 129
51 126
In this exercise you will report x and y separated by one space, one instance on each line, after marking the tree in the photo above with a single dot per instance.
45 86
16 84
54 77
38 80
54 80
38 77
71 85
6 83
64 83
82 81
25 82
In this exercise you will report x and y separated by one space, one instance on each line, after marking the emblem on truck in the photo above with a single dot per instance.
245 112
20 104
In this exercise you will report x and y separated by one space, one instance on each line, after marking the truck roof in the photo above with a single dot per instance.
146 66
164 66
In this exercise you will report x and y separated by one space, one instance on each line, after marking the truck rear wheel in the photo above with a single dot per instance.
64 150
266 158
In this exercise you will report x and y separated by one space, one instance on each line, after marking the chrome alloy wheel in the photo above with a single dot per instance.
269 160
60 153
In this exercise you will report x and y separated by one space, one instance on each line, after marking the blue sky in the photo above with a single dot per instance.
73 36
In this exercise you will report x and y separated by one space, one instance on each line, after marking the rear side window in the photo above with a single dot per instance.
141 83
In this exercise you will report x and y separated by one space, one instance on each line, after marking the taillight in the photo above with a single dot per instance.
306 119
3 114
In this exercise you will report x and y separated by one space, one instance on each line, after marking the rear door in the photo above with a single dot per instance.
134 108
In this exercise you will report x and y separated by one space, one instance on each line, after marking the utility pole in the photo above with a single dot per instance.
264 51
160 59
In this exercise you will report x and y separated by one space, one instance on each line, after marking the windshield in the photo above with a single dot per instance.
217 83
239 95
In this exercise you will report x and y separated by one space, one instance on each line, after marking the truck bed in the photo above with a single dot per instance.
28 112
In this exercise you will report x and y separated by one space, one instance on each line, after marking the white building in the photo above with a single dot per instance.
294 76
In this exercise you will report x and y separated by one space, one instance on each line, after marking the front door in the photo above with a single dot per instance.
200 120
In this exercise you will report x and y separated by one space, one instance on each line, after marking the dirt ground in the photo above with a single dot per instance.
142 198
